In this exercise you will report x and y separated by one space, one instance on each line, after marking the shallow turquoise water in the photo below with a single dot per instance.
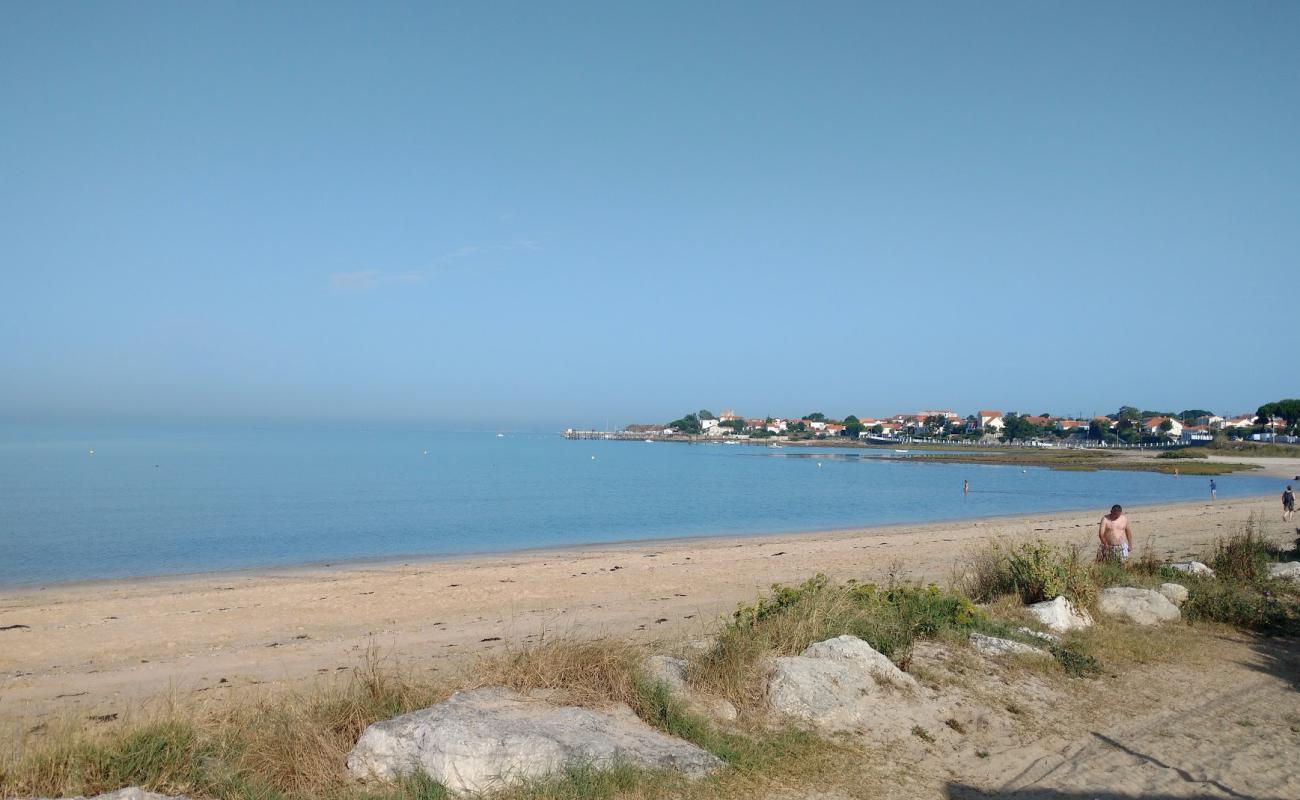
172 501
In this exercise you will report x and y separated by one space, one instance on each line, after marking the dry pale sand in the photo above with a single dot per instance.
93 649
1285 469
1219 720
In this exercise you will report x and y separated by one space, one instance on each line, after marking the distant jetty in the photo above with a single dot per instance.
570 433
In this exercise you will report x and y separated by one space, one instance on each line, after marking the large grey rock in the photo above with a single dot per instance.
671 672
1060 615
844 685
1142 606
130 793
1287 571
997 646
829 695
487 739
1175 593
856 653
1193 568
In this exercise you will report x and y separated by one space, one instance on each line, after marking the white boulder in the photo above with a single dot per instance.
492 738
1141 606
997 646
1286 571
829 695
1175 593
853 651
1193 568
1060 615
842 686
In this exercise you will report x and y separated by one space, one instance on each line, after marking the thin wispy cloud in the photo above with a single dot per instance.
368 279
476 249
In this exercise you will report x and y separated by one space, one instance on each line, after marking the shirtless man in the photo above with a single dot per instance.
1115 534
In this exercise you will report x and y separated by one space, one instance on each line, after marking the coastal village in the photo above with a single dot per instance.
1127 426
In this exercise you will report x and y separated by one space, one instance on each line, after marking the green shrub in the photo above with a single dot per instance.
1075 661
1244 556
1249 606
1042 572
1035 571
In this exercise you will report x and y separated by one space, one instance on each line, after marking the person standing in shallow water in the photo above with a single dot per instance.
1115 534
1214 490
965 487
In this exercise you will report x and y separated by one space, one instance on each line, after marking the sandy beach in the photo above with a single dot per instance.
94 649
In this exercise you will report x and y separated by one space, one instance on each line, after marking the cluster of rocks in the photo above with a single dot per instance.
1139 606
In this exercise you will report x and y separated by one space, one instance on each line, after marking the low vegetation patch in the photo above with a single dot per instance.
1033 571
790 618
1184 452
1241 593
1262 449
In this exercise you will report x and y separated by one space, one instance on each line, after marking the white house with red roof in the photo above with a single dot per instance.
991 420
1153 426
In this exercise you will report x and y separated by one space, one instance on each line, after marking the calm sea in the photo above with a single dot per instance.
164 502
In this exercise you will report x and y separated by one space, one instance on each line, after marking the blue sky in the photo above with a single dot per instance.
551 214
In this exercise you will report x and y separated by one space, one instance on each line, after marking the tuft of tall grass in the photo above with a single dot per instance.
1034 571
592 672
1244 555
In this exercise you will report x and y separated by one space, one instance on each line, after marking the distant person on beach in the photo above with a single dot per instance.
1115 534
1288 504
965 487
1214 490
